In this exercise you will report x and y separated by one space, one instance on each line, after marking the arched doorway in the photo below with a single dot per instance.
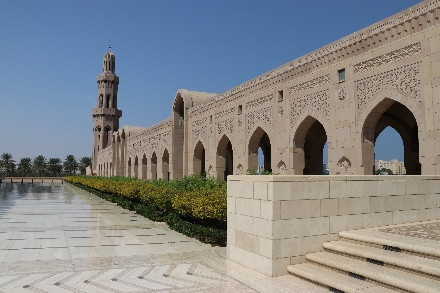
153 166
396 115
309 141
179 148
136 167
199 159
225 158
165 165
260 139
129 167
144 167
388 153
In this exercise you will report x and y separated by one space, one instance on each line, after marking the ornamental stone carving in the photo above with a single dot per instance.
200 122
342 94
280 110
166 138
318 101
105 155
225 125
199 133
322 80
405 79
224 113
393 56
352 39
264 116
259 101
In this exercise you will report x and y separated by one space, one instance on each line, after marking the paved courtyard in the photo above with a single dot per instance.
57 238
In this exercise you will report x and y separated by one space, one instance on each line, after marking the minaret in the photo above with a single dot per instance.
106 114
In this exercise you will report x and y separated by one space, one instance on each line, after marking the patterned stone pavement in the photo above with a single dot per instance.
426 230
57 238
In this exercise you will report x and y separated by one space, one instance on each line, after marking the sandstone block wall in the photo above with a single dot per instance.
273 221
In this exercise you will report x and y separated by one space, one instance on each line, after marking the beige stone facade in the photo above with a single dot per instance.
345 93
274 221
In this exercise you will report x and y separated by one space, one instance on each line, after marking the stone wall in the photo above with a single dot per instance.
273 221
345 94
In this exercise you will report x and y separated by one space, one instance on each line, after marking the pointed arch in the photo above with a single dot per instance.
308 143
144 167
136 167
129 167
224 158
107 101
259 139
390 108
153 166
166 165
199 159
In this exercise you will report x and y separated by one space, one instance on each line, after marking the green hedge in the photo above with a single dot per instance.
194 206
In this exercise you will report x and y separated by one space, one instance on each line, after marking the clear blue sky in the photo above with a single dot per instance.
51 53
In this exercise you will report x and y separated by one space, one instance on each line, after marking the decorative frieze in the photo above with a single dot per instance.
200 122
225 125
264 116
405 79
414 13
318 101
259 101
105 155
319 81
199 134
224 113
342 94
391 57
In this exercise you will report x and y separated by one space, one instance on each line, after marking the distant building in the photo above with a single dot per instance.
325 169
395 166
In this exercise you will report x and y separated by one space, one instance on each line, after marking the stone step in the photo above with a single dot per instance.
403 260
334 280
385 275
428 247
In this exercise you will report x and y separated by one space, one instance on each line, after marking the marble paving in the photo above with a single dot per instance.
57 238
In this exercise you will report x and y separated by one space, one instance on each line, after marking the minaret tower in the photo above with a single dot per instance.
106 114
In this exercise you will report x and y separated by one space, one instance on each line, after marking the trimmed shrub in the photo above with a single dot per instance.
194 205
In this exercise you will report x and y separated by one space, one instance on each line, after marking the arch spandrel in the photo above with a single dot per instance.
403 114
222 141
300 129
384 99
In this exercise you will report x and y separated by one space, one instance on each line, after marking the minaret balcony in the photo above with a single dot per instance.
106 111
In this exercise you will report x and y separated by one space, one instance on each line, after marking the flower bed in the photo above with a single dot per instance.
194 206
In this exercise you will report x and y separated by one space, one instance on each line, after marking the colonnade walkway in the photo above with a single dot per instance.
58 238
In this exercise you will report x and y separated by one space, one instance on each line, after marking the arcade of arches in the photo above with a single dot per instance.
344 94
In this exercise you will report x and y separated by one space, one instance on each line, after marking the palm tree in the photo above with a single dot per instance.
39 164
54 166
84 162
70 164
24 167
7 164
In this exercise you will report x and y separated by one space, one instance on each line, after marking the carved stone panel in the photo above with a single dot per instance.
264 116
200 122
310 84
393 56
199 134
259 101
405 79
225 125
224 113
318 101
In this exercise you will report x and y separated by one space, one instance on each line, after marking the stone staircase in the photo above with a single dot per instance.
376 260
